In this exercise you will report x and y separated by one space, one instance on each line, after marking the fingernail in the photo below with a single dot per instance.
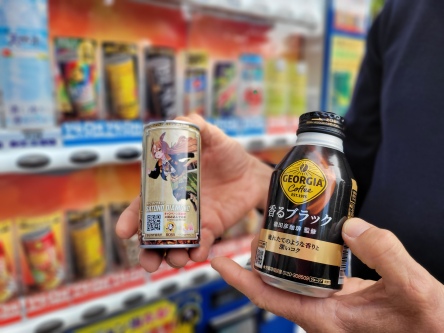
355 227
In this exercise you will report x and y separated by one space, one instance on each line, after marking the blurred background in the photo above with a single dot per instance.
78 79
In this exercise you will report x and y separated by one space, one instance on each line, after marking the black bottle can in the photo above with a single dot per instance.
312 193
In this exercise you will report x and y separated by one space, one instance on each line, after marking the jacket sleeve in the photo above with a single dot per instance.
156 172
363 121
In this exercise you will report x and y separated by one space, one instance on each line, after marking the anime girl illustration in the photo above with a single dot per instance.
179 164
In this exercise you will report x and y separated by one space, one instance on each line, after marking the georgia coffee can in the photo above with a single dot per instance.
312 193
170 189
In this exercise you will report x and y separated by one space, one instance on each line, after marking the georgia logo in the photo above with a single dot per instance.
303 181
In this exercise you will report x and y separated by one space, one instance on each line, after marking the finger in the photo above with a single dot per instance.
128 222
280 302
208 131
177 258
201 253
352 285
197 120
193 118
379 249
150 259
254 249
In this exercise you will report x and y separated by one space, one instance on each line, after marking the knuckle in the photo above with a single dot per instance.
381 245
258 301
420 290
255 297
387 243
387 236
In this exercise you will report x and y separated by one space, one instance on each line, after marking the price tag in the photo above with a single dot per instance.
18 139
100 131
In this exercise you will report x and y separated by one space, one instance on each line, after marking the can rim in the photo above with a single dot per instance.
36 234
172 122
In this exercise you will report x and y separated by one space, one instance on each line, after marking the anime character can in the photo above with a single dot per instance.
170 198
312 193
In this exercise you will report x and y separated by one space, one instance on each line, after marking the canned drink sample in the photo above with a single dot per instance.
250 106
170 198
276 103
8 264
195 91
77 86
25 79
7 283
126 251
251 85
120 71
224 89
41 253
87 243
196 78
160 74
312 193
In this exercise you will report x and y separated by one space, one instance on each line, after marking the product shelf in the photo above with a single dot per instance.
99 308
31 160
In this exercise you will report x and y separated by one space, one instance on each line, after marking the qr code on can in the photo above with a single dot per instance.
260 254
154 223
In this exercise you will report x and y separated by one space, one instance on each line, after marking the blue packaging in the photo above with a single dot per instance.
25 74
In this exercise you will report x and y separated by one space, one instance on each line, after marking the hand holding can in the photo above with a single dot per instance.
225 169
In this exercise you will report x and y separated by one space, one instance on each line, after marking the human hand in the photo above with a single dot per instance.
232 183
406 299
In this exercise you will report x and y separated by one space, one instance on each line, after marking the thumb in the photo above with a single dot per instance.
379 249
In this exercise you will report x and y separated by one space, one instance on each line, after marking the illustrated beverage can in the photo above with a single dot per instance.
170 198
41 253
312 193
88 244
